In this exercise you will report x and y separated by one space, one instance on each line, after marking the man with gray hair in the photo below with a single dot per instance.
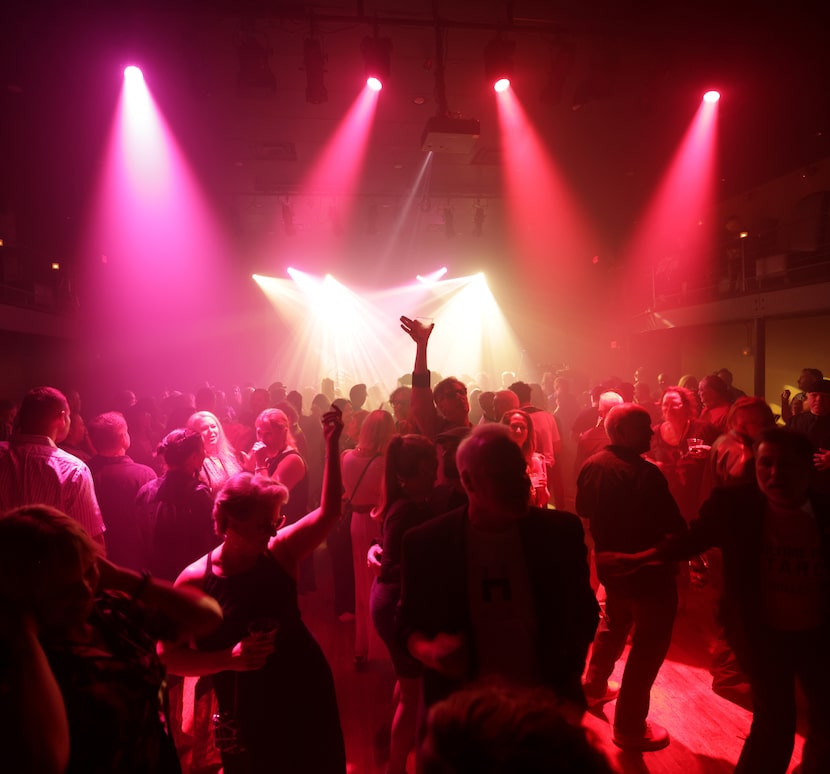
497 588
629 507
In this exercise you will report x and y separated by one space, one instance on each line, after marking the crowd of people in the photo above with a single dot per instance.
152 559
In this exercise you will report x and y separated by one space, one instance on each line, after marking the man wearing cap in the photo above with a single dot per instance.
815 424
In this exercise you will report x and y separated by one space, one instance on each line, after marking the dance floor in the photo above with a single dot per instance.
707 731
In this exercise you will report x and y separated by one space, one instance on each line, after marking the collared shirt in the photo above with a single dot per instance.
35 471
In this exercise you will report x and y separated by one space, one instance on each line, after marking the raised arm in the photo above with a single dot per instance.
419 333
422 408
293 543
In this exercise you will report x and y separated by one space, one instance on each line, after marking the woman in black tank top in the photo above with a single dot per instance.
278 709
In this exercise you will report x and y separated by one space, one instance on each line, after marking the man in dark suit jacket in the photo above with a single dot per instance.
498 588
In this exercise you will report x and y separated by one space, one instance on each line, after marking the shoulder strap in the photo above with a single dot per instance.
359 480
275 461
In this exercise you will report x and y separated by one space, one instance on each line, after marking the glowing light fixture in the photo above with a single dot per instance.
432 277
711 96
376 53
498 63
133 74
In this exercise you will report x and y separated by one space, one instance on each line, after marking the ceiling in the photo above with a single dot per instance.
648 62
251 148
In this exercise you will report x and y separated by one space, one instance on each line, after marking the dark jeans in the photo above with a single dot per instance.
650 613
773 661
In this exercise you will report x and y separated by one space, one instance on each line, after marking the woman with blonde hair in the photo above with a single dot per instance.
221 461
362 485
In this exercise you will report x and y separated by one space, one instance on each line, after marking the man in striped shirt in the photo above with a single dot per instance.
34 470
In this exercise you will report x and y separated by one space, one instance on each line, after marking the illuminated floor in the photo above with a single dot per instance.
707 731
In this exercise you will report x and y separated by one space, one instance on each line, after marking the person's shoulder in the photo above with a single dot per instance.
69 460
149 489
143 470
193 574
201 489
801 422
599 459
437 525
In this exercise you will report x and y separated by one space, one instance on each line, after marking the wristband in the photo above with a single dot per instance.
421 380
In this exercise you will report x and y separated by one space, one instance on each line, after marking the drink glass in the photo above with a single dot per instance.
694 447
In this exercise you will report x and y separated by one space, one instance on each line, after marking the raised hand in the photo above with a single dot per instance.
417 331
332 424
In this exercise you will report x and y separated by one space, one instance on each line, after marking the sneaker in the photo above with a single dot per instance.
612 690
654 737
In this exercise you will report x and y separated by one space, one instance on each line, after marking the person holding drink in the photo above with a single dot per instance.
521 432
680 446
278 709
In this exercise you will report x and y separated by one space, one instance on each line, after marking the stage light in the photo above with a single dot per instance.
376 53
433 277
498 63
315 90
133 74
711 96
